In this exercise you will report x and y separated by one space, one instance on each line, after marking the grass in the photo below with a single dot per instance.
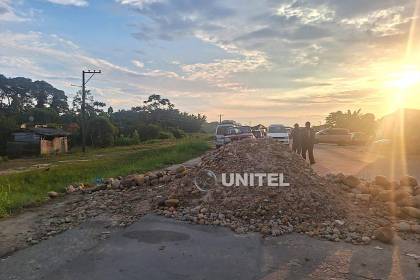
18 190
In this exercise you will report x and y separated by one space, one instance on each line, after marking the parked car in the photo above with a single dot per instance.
221 132
359 138
278 132
232 134
339 136
245 132
258 133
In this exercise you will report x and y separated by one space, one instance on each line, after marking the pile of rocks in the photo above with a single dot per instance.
312 204
400 199
335 207
119 201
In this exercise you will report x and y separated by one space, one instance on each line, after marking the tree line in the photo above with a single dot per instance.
38 102
355 121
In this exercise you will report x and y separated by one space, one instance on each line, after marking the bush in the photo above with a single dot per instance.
165 135
123 141
135 137
177 133
149 131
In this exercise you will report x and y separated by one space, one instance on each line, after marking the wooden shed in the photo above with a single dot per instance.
38 141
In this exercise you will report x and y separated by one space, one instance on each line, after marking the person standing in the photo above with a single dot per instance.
308 142
296 138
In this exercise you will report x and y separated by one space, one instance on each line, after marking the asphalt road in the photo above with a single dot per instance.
159 248
363 162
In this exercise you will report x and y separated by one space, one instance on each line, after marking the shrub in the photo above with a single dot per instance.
135 137
149 131
123 141
177 133
165 135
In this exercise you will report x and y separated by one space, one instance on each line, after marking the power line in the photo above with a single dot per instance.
83 109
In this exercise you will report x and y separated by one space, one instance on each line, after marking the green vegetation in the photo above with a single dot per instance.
21 189
23 101
354 121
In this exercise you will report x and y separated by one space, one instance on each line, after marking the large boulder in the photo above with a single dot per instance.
382 181
53 194
139 180
406 202
401 195
408 181
385 235
411 211
375 190
351 181
416 201
385 196
172 202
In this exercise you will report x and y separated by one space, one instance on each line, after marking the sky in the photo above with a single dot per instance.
261 61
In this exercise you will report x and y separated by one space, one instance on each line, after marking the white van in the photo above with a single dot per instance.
278 132
220 136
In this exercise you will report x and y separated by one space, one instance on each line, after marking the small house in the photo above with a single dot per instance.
38 141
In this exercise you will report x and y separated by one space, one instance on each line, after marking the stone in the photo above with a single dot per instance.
401 194
382 181
172 202
70 189
115 183
408 181
411 211
406 189
385 196
405 202
351 181
385 235
364 197
366 239
53 194
139 180
374 190
180 169
416 201
403 227
415 228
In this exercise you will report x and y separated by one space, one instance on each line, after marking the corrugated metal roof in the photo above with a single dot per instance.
49 131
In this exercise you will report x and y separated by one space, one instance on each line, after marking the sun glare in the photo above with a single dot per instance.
405 79
403 87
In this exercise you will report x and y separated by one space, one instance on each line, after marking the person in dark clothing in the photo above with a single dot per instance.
308 141
296 137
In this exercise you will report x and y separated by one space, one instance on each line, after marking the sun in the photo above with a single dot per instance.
404 79
403 87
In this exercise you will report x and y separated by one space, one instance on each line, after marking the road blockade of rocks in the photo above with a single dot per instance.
313 205
335 207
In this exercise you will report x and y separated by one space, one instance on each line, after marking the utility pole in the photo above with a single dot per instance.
220 118
83 109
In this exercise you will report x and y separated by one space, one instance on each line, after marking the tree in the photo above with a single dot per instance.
354 121
101 132
59 102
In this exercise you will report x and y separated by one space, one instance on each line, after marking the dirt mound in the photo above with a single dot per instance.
311 204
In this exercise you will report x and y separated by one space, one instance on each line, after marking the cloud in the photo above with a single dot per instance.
77 3
384 22
9 13
306 15
138 63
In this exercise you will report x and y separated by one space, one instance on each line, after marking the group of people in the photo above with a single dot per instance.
303 141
